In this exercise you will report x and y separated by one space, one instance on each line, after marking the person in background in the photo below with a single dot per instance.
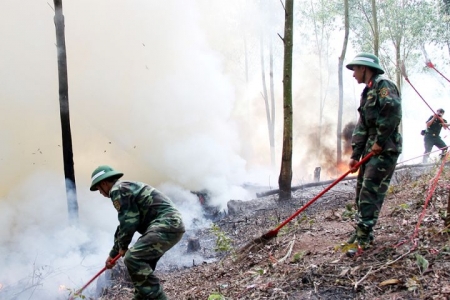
431 136
377 131
141 208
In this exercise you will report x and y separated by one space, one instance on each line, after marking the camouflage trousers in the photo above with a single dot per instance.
141 260
429 142
371 188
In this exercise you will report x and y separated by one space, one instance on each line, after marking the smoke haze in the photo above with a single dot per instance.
158 90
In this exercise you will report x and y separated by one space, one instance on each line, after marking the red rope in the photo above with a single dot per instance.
440 119
403 71
433 185
430 65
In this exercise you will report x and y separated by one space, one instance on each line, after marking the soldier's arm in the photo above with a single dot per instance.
430 121
359 139
390 111
128 215
115 249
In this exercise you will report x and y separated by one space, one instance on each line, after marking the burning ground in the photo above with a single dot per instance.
306 260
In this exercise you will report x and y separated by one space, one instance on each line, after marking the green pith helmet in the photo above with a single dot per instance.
102 173
366 59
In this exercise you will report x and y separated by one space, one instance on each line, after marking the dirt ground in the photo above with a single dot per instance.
307 261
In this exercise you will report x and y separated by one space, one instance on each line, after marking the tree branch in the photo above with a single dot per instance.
282 4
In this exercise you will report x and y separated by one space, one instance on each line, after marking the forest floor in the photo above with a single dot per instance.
307 260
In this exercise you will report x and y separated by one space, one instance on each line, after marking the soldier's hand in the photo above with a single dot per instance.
376 149
109 264
352 165
122 252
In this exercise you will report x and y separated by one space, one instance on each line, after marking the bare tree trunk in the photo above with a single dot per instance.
341 82
69 172
376 35
285 178
272 104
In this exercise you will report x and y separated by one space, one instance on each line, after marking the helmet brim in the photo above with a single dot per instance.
352 64
110 174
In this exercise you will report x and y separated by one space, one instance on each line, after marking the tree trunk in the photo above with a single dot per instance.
69 172
285 178
376 35
272 111
341 82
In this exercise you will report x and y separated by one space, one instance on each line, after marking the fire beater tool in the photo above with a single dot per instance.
77 293
274 232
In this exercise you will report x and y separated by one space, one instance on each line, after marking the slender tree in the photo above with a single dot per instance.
285 178
69 171
269 105
341 82
376 34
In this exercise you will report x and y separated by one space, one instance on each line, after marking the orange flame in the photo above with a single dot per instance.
342 167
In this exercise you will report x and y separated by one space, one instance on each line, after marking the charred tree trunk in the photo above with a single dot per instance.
285 178
69 172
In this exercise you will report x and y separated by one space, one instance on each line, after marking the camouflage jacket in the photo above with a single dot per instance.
380 113
141 208
435 127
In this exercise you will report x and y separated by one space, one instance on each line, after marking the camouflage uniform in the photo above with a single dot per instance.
146 210
380 115
432 138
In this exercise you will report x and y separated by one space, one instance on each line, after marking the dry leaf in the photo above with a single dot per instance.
344 272
390 282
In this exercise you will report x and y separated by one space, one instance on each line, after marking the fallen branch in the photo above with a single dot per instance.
291 245
381 268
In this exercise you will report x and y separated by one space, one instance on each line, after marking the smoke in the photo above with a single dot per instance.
150 94
347 133
159 91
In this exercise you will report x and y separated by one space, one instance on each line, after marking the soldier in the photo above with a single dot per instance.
146 210
432 138
377 131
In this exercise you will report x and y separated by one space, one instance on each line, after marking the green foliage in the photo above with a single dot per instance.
344 248
216 296
298 257
284 230
349 212
400 209
223 242
258 272
422 263
412 283
391 190
75 295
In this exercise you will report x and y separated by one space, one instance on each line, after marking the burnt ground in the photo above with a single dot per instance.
307 261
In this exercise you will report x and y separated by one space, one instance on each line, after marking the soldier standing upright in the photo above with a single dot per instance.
144 209
431 136
377 131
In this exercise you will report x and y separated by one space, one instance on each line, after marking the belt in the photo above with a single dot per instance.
432 134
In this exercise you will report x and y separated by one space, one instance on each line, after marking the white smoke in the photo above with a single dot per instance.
157 89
